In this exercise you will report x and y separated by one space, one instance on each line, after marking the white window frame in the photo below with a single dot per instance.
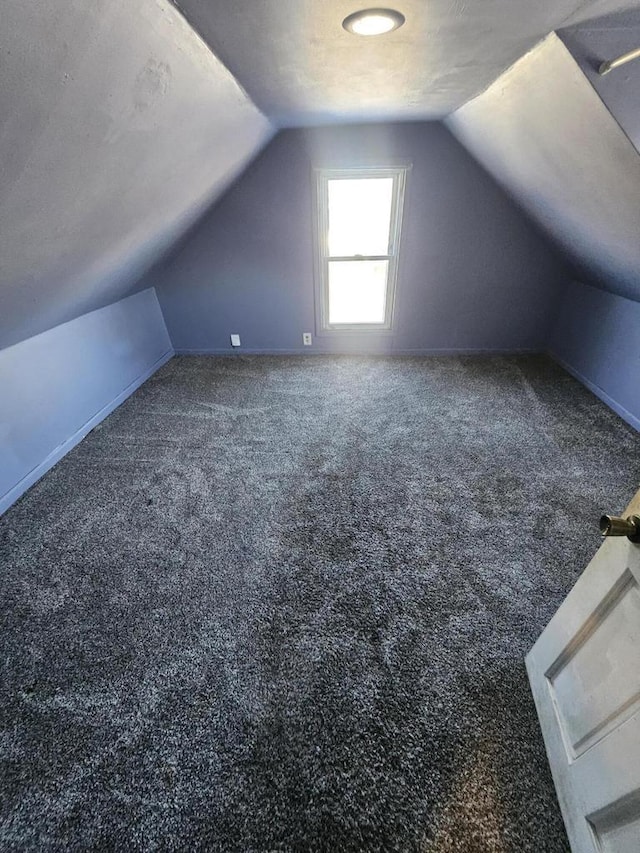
322 178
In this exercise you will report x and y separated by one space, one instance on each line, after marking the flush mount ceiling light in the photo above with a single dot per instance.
373 22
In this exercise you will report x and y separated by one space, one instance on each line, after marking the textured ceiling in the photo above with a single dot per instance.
607 38
300 67
117 127
546 136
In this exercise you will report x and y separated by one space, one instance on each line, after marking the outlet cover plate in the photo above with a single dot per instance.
307 339
235 340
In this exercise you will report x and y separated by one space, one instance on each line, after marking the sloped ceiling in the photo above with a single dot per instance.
117 127
603 39
544 133
301 67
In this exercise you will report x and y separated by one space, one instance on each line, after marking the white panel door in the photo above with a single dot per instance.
585 677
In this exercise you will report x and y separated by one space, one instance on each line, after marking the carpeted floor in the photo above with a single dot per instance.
282 604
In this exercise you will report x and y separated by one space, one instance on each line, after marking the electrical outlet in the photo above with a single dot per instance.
306 339
235 340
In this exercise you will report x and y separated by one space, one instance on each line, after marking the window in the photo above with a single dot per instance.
359 220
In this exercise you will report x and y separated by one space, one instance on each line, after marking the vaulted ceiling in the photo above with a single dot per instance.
544 133
121 122
117 128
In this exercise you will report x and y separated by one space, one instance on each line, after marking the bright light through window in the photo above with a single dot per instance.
357 291
359 231
360 216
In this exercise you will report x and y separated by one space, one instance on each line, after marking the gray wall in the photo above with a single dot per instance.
597 338
118 127
474 274
58 385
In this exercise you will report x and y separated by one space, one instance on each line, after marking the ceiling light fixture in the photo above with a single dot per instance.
373 22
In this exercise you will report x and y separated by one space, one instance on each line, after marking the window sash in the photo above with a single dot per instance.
358 292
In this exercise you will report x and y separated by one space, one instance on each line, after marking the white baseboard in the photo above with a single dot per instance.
56 455
625 414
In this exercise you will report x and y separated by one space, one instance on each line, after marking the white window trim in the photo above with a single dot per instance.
322 257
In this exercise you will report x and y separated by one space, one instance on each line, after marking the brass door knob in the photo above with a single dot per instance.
613 525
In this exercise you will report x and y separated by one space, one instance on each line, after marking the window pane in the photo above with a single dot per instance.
359 216
357 291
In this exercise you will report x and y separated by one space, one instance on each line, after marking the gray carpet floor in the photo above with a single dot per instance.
282 604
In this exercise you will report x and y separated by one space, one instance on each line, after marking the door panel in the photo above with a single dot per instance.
585 677
617 828
599 664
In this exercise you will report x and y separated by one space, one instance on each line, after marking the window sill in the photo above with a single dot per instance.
354 331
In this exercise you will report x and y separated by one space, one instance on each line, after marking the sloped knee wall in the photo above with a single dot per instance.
58 385
597 338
